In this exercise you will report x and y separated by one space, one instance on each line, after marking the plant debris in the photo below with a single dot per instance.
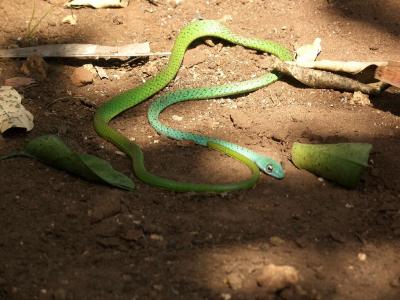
12 113
51 150
83 50
342 163
389 73
17 82
327 80
352 67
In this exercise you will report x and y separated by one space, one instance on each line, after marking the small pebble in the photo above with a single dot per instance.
81 77
360 98
362 256
157 287
133 234
105 207
395 282
156 237
234 281
275 278
177 118
70 19
226 296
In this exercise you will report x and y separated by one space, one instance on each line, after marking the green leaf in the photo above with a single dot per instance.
51 150
342 163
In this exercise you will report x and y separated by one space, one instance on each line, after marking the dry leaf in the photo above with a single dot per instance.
352 67
12 113
98 3
51 150
389 73
17 82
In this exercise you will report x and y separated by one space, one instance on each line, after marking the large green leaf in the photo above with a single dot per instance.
51 150
342 163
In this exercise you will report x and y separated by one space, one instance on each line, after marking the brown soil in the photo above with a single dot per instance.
65 238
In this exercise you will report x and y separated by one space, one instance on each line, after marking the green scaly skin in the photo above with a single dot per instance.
130 98
264 163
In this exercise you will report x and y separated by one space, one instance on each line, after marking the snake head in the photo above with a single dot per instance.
270 167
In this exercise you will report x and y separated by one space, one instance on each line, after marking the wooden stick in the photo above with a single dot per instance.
83 50
326 80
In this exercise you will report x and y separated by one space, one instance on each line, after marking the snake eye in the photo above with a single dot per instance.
270 168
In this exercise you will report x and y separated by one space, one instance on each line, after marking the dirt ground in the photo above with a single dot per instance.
64 238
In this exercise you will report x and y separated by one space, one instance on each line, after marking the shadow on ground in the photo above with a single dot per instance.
64 238
383 16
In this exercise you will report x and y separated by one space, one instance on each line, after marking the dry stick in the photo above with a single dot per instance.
153 2
83 100
83 50
327 80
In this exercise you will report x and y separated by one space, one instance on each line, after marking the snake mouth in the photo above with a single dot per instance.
279 175
279 172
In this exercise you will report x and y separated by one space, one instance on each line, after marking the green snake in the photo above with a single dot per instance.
110 109
264 163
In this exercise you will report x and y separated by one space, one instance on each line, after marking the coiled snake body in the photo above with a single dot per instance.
205 28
